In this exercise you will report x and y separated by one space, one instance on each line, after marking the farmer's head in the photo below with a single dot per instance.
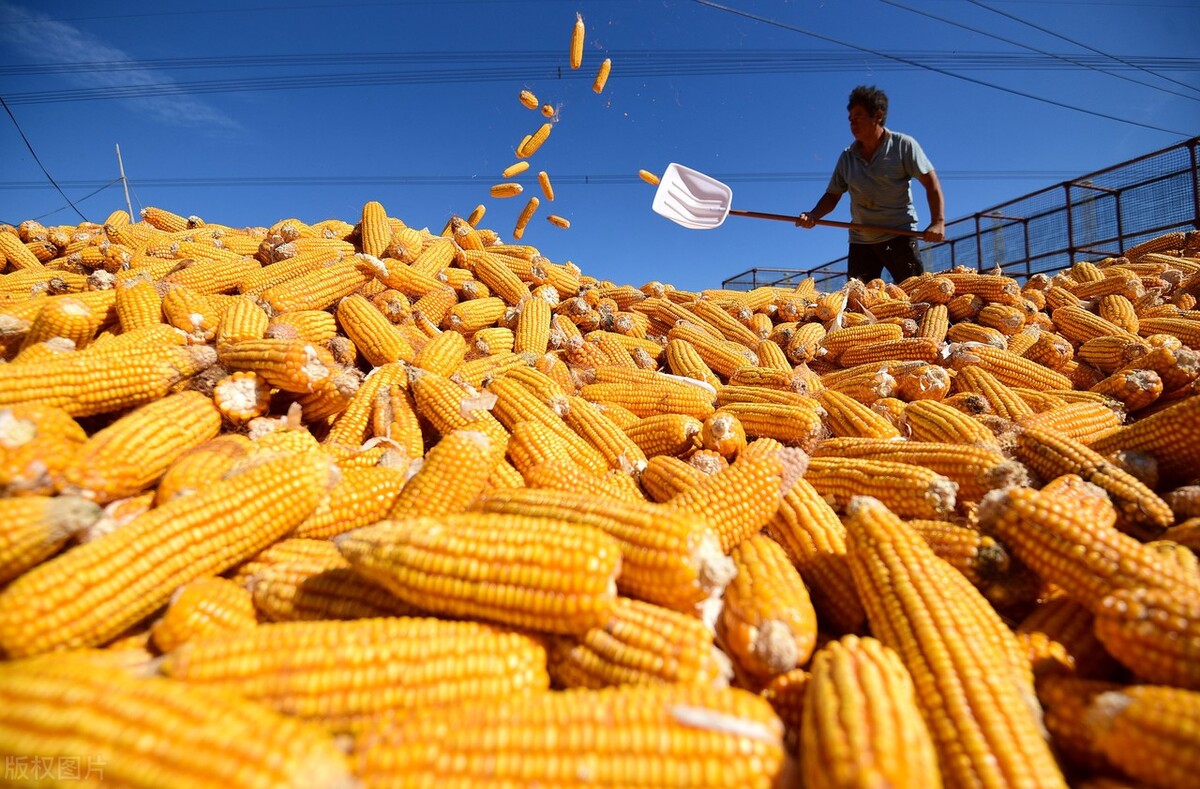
868 108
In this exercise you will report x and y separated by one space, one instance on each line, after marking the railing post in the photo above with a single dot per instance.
1192 143
978 244
1070 223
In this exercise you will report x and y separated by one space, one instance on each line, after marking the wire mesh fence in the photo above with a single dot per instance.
1097 215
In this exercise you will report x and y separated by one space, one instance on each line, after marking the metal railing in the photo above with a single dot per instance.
1097 215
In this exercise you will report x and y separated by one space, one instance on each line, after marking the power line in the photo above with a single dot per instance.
461 180
33 153
941 71
1073 41
1035 49
627 58
80 200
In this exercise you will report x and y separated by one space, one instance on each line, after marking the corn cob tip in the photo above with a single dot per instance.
795 463
1103 710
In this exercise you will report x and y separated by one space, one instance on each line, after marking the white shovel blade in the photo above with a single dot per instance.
691 198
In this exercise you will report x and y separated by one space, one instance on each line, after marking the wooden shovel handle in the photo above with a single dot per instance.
831 223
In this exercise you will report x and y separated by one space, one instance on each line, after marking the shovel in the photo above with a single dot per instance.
690 198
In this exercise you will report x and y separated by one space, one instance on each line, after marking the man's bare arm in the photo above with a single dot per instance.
936 231
827 203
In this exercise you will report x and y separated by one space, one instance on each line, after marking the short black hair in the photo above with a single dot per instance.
870 98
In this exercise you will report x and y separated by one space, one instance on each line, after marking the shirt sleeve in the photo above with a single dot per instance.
838 182
916 163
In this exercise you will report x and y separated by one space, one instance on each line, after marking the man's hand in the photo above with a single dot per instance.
806 220
935 232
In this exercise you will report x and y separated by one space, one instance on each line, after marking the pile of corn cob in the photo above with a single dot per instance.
361 504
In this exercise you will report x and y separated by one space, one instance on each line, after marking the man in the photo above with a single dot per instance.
876 170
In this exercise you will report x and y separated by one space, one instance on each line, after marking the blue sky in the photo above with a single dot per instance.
297 108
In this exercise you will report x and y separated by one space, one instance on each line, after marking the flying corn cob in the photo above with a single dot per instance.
577 34
602 75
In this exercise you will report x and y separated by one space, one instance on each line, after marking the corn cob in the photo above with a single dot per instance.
1153 631
767 623
924 610
934 421
667 557
347 674
641 644
1003 400
1086 558
984 561
691 735
108 726
617 448
861 722
134 369
1008 368
204 608
908 490
849 418
657 395
311 580
1050 455
454 472
37 442
666 434
133 452
1148 732
33 528
741 499
93 592
201 466
1067 700
1166 435
544 574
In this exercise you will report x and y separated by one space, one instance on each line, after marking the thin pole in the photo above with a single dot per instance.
121 167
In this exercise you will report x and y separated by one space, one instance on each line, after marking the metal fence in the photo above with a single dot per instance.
1100 214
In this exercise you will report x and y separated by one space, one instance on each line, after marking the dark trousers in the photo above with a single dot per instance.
898 255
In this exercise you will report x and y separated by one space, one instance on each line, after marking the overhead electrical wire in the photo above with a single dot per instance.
1070 60
1076 43
33 153
942 71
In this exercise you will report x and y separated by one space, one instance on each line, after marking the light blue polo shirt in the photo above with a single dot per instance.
880 192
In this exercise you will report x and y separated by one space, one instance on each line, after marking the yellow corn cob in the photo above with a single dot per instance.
847 417
548 191
684 359
201 466
1051 455
1165 435
602 75
1069 627
164 220
962 657
496 271
136 368
653 395
219 272
119 461
861 721
138 304
909 491
984 561
666 476
975 470
96 725
1148 732
1003 400
794 424
17 254
722 356
643 644
314 326
290 365
375 232
742 498
322 287
1066 700
1153 630
669 558
931 420
37 442
723 433
528 99
544 574
318 583
360 497
345 675
204 608
690 735
33 528
1008 368
804 343
1086 558
93 592
648 177
1186 329
1133 388
523 218
666 434
532 334
372 333
1049 350
442 354
244 320
66 317
1083 422
190 312
767 623
577 35
455 472
560 473
604 435
917 381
